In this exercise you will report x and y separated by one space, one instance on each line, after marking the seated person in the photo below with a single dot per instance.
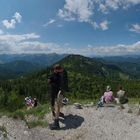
108 95
35 102
29 102
121 95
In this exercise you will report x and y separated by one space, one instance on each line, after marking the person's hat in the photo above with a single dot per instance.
26 98
57 67
108 88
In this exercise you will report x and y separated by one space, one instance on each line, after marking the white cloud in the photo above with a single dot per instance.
10 24
23 44
113 50
104 25
80 10
106 5
17 17
103 8
84 10
10 43
135 28
51 21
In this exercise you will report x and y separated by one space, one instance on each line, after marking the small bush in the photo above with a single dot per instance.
39 111
18 115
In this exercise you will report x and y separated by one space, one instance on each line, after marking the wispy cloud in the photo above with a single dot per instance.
9 24
106 5
17 17
113 50
18 38
135 28
104 25
51 21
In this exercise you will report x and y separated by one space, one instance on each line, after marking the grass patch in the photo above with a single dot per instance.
33 124
18 115
134 100
39 111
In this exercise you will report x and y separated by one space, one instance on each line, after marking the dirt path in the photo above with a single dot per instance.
108 123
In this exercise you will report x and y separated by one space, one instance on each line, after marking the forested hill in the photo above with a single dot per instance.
91 67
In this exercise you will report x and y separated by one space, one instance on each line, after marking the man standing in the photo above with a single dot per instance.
56 82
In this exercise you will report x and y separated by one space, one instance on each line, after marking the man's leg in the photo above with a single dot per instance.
55 111
59 104
53 106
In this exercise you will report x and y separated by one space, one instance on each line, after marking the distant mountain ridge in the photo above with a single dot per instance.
40 59
15 65
17 68
129 64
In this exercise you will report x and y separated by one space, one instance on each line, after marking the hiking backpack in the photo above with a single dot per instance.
64 80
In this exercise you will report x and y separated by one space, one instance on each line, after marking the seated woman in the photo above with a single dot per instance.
107 97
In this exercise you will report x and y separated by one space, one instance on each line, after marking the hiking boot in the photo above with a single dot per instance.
55 125
61 115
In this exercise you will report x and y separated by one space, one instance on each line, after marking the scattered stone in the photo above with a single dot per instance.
77 106
129 110
26 132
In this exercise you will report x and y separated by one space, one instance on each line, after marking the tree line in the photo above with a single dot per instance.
13 92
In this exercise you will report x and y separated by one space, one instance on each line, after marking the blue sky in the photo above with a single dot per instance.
87 27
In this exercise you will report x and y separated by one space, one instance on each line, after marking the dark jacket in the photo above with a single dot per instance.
55 81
